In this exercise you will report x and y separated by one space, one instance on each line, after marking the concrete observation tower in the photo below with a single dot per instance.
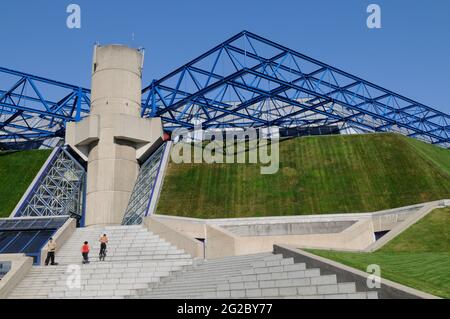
114 137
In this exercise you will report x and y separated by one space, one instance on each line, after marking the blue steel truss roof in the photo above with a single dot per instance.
36 108
246 81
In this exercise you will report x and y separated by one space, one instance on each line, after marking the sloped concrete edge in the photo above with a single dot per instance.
388 289
190 245
400 228
61 236
162 170
20 266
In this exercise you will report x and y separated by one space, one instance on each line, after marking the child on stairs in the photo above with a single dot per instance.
85 252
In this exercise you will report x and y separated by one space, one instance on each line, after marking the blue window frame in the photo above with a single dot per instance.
28 235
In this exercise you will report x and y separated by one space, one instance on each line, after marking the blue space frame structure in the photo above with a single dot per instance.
34 108
59 190
246 81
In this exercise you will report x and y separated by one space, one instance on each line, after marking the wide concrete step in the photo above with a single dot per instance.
237 258
323 290
206 266
224 284
253 257
288 271
125 257
123 252
139 264
121 242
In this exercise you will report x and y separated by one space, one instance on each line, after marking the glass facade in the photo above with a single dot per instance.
143 189
27 235
59 191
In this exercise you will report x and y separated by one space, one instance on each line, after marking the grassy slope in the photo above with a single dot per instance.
17 171
318 175
436 155
419 257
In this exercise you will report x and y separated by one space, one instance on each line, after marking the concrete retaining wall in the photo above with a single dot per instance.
349 232
400 227
220 242
387 219
191 227
387 290
190 245
289 228
61 236
20 266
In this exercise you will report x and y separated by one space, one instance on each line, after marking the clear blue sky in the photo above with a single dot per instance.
409 55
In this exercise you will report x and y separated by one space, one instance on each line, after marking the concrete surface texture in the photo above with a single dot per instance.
19 267
263 275
387 290
140 264
60 237
135 258
402 225
189 244
240 236
290 228
113 137
152 268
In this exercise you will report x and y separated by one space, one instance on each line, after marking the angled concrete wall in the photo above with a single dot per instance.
20 266
62 235
388 289
190 245
348 232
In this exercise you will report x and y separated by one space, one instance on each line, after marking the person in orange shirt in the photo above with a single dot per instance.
85 252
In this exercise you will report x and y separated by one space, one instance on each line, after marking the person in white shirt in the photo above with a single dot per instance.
51 249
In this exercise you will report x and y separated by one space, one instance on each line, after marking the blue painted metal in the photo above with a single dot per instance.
251 81
246 81
34 108
59 191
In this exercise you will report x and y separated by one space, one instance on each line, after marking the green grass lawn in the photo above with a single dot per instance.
419 257
317 175
17 171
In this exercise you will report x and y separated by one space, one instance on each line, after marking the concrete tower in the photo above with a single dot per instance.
114 136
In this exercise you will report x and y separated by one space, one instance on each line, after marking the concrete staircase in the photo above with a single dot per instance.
135 258
251 276
139 264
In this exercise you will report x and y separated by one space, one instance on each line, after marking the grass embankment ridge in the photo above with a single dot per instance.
317 175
